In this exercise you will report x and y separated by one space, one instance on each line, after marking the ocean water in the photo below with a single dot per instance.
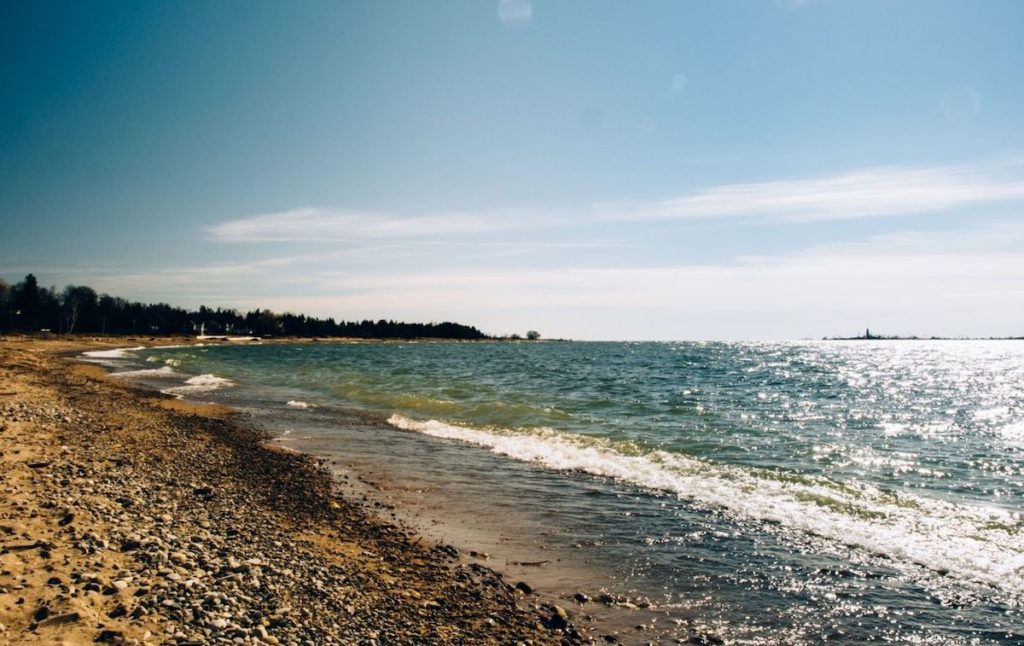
796 492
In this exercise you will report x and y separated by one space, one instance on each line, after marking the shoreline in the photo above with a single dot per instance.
131 516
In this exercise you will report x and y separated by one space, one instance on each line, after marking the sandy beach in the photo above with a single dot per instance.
132 517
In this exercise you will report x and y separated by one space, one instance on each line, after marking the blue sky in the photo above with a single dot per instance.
606 170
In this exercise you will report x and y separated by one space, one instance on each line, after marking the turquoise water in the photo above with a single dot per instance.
797 492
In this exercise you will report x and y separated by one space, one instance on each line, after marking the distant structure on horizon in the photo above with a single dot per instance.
868 336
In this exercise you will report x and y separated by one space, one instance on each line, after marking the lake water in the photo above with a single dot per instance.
791 492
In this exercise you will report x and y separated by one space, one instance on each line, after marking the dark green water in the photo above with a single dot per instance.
775 492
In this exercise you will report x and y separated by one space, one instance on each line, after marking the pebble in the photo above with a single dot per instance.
56 620
203 521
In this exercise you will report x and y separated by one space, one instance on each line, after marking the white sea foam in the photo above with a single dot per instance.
992 414
1013 433
894 428
166 371
979 544
300 404
169 362
199 384
117 353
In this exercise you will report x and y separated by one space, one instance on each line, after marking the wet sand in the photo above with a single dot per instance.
131 517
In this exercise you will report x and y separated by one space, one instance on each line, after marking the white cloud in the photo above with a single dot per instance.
319 225
952 282
908 283
870 192
865 193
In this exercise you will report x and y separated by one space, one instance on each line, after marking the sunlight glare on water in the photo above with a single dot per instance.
789 485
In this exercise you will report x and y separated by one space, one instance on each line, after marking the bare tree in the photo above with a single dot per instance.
77 299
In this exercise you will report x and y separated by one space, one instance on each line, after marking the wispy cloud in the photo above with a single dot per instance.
865 193
954 281
801 295
320 224
945 283
870 192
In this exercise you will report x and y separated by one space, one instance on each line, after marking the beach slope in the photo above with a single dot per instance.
127 516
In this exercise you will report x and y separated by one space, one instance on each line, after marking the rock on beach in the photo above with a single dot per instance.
125 519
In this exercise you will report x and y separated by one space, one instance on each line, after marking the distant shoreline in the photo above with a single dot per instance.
921 338
178 339
151 340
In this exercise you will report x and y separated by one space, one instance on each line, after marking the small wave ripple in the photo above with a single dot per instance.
973 543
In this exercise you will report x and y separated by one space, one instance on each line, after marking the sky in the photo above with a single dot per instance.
756 169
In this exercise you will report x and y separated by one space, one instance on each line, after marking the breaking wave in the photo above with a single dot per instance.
974 543
199 384
166 371
117 353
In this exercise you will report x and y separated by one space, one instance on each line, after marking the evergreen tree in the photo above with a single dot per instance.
79 309
28 306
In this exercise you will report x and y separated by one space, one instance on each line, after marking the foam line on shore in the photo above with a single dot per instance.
165 371
116 353
978 544
196 488
199 384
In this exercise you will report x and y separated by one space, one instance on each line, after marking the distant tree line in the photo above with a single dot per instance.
27 307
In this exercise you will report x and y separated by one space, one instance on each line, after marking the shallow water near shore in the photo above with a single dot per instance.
765 492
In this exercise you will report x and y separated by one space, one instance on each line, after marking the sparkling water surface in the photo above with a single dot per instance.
792 492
